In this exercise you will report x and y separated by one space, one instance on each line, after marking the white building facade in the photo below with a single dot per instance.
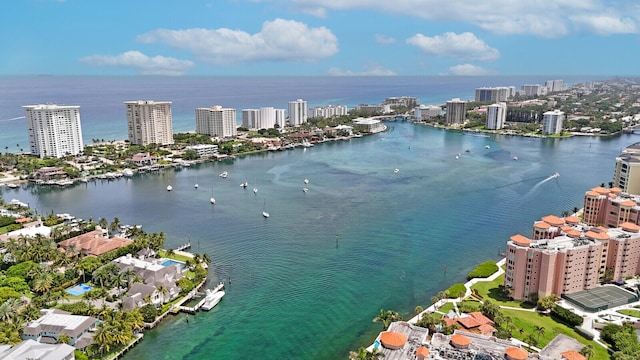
328 111
297 112
496 116
533 90
552 122
216 121
426 112
54 131
149 122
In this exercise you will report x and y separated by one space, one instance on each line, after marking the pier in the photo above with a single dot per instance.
196 307
183 247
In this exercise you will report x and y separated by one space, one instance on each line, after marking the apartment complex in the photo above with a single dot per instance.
426 112
627 173
405 101
149 122
328 111
263 118
552 122
554 86
496 116
54 131
567 255
216 121
297 112
502 93
533 90
456 111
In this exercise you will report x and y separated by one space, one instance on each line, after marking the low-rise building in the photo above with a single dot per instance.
143 159
204 150
31 349
54 322
426 112
368 125
93 243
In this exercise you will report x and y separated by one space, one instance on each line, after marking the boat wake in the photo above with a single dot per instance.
537 186
13 119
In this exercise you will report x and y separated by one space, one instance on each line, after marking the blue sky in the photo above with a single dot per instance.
320 37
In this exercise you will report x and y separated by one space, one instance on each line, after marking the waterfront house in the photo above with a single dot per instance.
143 159
50 173
474 322
158 281
54 323
93 243
30 349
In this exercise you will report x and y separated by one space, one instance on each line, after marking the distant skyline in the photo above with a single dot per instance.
320 37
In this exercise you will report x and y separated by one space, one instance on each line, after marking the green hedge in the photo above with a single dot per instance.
566 317
483 270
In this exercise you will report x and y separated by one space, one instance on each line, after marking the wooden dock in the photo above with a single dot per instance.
183 247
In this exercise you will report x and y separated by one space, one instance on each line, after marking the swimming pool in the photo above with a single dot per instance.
170 262
79 289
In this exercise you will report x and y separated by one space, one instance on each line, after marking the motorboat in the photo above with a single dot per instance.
487 147
224 174
306 181
305 189
169 188
212 299
396 170
515 158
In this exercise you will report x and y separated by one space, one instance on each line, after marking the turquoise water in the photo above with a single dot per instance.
170 262
306 282
79 289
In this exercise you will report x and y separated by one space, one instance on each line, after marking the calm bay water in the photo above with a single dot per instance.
306 282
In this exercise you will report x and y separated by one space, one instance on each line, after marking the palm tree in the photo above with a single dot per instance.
8 309
539 330
102 222
115 225
64 339
162 290
206 258
418 309
387 317
588 351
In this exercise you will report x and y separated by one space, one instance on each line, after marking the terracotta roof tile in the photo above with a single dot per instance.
572 355
630 227
553 220
521 240
516 353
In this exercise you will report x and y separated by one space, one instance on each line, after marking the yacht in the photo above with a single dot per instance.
515 158
224 174
395 171
264 209
487 147
306 181
212 299
169 188
196 185
305 189
127 172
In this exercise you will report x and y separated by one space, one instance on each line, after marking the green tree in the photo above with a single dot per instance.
588 351
64 339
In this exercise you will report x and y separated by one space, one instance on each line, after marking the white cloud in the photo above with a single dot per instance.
464 46
545 18
279 40
384 39
605 24
143 64
370 69
469 70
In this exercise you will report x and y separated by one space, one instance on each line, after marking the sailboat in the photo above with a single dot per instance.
212 200
196 185
264 209
255 189
244 184
169 187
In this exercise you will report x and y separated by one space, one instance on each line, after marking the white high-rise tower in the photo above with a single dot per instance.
297 112
216 121
54 131
149 122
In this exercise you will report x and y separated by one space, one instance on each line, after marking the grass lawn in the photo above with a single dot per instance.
483 270
446 308
490 290
456 290
629 312
165 254
526 320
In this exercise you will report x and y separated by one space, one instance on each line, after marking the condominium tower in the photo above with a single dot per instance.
54 131
149 122
297 112
496 116
263 118
216 121
456 111
552 122
567 255
627 173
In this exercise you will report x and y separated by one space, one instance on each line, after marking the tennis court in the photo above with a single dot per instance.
601 298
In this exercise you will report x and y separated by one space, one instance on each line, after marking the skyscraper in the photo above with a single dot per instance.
496 116
216 121
456 111
297 112
627 173
149 122
54 131
552 122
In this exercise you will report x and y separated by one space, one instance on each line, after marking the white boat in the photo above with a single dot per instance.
457 157
169 188
196 185
244 185
224 174
555 175
127 172
255 189
305 189
395 171
13 186
212 200
487 147
264 209
515 158
306 181
212 299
